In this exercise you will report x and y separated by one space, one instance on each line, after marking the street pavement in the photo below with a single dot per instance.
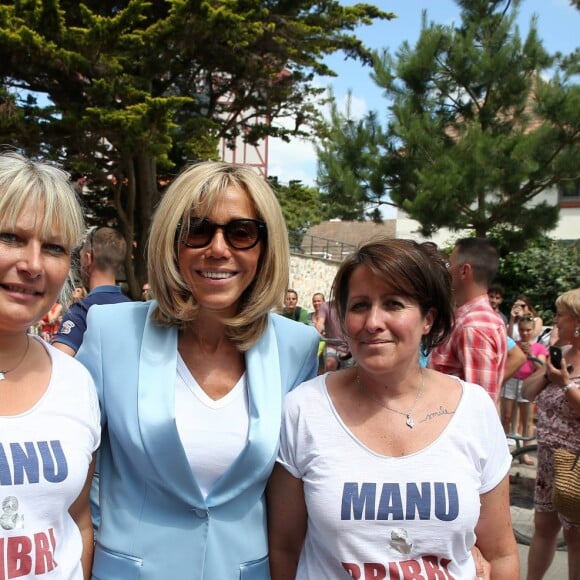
558 570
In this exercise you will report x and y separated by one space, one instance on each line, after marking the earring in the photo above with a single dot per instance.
577 333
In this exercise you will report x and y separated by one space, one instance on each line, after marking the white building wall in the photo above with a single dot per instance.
309 275
568 227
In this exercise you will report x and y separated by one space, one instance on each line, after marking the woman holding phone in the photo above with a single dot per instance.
557 396
523 308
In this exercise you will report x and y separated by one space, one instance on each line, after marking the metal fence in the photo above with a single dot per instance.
319 247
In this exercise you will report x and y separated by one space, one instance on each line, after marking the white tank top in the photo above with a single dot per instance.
213 433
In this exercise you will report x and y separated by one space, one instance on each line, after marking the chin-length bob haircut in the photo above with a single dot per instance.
416 271
196 191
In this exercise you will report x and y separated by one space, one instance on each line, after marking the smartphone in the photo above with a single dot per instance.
556 356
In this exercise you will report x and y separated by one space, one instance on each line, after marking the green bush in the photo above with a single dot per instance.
543 271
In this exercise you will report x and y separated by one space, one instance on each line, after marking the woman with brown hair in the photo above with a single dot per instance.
191 385
523 307
388 469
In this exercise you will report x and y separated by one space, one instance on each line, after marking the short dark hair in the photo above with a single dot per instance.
418 271
483 257
496 289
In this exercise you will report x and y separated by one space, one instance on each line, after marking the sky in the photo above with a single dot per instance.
558 25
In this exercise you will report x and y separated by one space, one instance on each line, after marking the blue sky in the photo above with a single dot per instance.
558 25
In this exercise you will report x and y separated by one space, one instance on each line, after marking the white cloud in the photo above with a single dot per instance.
296 160
292 161
358 107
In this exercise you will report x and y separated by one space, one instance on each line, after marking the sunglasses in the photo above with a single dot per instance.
527 319
87 242
240 234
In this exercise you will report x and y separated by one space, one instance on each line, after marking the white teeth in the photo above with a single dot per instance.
19 289
217 275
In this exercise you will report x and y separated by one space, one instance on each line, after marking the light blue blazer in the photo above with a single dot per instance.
155 523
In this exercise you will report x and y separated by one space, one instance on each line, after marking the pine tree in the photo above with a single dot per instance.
349 158
301 207
128 91
476 131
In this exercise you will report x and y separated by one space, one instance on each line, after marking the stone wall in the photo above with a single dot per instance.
309 275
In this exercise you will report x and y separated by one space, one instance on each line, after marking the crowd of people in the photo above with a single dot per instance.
206 432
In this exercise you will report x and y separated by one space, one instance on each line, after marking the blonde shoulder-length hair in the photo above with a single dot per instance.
196 191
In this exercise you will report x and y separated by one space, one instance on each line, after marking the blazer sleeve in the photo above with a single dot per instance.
90 355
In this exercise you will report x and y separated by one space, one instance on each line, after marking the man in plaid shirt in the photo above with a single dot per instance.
477 348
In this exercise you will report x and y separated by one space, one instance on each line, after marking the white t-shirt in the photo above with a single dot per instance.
371 516
213 433
44 458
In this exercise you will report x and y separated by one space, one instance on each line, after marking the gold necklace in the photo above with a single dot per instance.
410 422
3 373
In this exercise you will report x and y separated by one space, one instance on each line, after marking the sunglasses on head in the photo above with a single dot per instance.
240 234
87 242
527 319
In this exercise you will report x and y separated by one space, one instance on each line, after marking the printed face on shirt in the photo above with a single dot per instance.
384 329
218 274
33 269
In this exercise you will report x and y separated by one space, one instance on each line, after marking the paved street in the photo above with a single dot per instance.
558 570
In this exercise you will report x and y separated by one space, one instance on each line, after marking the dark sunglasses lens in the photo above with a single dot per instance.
199 233
242 233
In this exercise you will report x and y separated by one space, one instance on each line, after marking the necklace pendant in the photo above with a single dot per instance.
2 376
410 422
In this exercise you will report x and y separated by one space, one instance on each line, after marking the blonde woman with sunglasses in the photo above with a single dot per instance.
191 385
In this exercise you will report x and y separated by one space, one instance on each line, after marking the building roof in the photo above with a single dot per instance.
334 239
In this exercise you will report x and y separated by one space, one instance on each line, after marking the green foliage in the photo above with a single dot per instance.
301 206
349 160
542 271
475 132
129 91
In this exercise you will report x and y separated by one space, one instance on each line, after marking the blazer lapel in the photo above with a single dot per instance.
265 409
156 402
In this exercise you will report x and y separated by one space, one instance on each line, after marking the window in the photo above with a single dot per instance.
569 191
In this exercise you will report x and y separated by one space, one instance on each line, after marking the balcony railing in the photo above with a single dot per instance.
319 247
